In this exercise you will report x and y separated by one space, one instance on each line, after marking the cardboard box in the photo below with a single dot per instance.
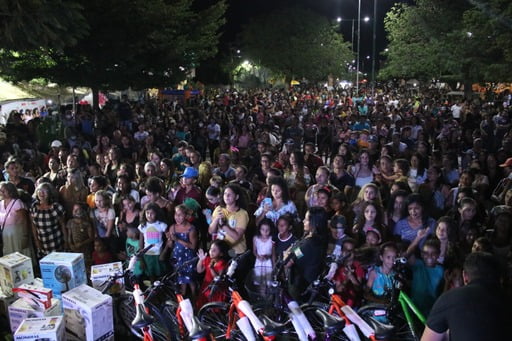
63 271
35 294
15 269
41 329
101 273
21 309
88 314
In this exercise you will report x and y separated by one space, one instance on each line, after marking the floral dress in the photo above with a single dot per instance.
182 254
47 223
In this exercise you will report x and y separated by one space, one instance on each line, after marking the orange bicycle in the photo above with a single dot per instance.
235 320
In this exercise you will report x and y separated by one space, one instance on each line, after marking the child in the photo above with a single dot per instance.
152 229
372 218
101 255
132 247
427 277
212 201
380 278
213 265
349 276
284 238
264 251
182 239
373 237
337 226
103 216
81 233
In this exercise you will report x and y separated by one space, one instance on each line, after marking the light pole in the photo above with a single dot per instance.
373 45
358 44
365 19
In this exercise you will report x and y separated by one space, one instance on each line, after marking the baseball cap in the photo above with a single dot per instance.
56 144
190 172
507 163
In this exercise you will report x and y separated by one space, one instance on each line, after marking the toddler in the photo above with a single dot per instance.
81 233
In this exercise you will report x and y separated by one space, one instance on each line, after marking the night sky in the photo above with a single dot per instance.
240 12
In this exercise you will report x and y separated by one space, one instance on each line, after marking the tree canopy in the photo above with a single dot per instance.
32 24
137 43
297 43
450 40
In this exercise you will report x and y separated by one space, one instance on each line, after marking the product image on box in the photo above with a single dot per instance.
42 328
88 314
21 309
62 271
100 274
15 269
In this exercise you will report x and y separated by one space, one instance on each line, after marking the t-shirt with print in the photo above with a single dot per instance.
101 220
153 234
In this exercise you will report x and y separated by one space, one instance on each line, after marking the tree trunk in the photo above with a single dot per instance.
468 90
95 98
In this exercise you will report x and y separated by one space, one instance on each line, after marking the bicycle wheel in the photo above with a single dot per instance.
126 310
279 315
169 314
317 323
215 316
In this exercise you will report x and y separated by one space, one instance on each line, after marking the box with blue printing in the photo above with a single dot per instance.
63 271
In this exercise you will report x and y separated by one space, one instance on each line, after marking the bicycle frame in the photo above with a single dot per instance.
245 313
408 306
350 316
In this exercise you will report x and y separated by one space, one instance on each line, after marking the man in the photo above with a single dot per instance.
476 311
224 169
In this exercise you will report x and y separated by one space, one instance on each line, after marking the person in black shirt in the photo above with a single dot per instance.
476 311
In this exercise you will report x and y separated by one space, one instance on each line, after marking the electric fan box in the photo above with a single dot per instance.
63 271
15 269
88 314
41 329
20 310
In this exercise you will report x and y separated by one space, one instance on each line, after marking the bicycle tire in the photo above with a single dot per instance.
169 314
215 316
126 310
316 321
279 316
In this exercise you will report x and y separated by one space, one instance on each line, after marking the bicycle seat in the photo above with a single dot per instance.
199 332
142 319
382 331
272 328
331 323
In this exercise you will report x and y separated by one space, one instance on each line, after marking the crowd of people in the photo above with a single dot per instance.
393 174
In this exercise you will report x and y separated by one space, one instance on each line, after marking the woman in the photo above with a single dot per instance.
73 192
276 203
48 224
415 223
13 221
394 210
362 171
435 191
306 259
229 222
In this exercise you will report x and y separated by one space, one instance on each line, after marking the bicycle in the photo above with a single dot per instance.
282 308
398 311
161 303
221 317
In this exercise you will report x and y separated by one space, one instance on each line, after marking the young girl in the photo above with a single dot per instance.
349 276
81 233
103 216
152 229
101 255
182 239
264 251
213 264
370 219
132 247
284 238
380 278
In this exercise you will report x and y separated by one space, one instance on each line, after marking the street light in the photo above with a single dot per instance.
365 19
373 45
